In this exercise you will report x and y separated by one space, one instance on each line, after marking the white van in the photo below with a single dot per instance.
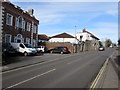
25 49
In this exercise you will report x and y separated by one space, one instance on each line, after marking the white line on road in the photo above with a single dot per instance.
31 78
34 65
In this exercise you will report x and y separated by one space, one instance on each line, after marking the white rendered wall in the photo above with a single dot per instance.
71 40
85 37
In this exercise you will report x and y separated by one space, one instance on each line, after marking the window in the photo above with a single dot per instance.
27 41
34 42
20 22
7 38
23 25
81 38
28 26
9 19
21 45
16 22
34 29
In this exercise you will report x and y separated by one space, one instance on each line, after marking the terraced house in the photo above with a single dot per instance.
18 25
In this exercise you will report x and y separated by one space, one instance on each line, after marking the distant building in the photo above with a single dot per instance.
18 25
85 35
43 38
63 37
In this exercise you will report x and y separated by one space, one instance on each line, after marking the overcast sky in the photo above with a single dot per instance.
99 18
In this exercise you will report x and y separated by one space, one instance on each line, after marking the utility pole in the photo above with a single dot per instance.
75 33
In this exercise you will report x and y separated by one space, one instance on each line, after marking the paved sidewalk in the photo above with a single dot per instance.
22 61
25 61
110 76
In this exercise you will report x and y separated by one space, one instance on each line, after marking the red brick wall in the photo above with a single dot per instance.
8 8
51 45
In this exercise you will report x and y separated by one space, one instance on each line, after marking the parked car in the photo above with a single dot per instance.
60 49
25 49
7 49
40 48
101 48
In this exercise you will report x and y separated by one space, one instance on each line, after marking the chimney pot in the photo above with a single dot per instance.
31 11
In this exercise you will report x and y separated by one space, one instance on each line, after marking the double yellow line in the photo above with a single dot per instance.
94 83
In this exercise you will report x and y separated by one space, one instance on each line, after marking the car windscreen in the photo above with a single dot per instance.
28 45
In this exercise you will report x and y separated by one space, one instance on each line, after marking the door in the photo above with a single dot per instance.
18 41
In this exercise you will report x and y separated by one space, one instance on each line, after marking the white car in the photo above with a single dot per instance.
25 49
40 49
101 48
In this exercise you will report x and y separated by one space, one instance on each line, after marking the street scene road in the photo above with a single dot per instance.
58 71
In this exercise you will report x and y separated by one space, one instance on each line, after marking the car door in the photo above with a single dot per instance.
55 50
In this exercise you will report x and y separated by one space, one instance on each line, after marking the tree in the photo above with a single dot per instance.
108 42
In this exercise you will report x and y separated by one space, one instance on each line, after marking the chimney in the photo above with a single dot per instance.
31 11
84 30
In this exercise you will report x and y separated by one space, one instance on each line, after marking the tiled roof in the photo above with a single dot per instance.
62 35
93 36
43 37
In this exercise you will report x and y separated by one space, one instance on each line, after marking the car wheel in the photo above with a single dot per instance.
25 53
61 52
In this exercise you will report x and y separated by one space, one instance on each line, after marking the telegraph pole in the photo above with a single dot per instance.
75 33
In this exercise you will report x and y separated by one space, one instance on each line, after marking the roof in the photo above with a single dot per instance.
43 37
93 36
63 35
20 11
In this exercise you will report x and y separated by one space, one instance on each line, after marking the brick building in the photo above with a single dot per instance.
18 25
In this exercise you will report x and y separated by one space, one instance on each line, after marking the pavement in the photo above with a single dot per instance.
21 61
109 78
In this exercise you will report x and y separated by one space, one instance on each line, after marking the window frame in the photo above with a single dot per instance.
34 29
6 38
28 26
11 22
27 40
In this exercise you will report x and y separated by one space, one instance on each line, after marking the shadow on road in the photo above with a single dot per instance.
14 58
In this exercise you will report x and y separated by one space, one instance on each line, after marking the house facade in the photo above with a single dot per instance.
63 37
18 25
85 35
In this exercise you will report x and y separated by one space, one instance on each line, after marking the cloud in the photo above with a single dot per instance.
112 12
49 19
106 30
111 25
54 14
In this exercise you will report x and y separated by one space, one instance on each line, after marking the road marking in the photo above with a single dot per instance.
33 65
31 78
100 73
